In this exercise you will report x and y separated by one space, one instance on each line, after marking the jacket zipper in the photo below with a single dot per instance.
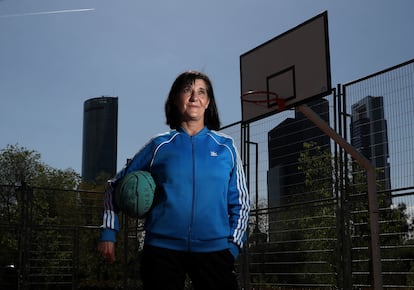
190 228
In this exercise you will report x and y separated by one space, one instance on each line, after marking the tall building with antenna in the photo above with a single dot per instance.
100 137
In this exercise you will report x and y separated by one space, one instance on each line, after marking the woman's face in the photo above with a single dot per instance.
192 101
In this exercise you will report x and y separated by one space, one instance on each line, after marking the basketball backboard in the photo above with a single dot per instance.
294 65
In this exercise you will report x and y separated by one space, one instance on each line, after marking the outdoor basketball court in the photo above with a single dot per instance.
287 72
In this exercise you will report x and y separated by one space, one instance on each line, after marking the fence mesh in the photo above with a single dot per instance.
310 219
379 123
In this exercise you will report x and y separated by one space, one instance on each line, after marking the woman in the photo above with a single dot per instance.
198 222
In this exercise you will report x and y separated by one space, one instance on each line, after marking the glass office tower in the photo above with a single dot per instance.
370 137
100 134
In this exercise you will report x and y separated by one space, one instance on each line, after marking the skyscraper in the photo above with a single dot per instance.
100 135
285 143
369 136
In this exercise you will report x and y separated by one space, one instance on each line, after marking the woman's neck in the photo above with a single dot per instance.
192 128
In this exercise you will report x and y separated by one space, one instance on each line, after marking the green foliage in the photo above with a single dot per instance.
394 220
317 167
394 225
319 217
303 231
54 219
18 164
308 237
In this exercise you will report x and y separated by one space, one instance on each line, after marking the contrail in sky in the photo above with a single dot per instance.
47 12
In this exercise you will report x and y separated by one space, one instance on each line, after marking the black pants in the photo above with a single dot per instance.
164 269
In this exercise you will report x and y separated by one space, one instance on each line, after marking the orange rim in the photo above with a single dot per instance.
275 98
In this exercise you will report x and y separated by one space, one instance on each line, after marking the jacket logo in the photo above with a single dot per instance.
213 153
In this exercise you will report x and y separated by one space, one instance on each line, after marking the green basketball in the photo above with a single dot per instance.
135 193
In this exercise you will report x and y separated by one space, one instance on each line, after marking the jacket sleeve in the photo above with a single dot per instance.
110 225
238 204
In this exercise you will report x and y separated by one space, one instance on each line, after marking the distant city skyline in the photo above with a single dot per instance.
51 61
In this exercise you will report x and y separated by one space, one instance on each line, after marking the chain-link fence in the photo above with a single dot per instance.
311 223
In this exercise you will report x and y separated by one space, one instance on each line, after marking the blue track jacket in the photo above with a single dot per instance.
201 202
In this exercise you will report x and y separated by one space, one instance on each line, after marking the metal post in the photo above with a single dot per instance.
26 194
372 189
256 180
75 258
343 183
245 135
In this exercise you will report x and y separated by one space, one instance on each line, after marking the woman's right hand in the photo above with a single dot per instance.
107 250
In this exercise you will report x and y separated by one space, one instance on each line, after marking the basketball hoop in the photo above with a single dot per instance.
265 99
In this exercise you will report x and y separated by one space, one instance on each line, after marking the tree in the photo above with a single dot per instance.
49 226
305 234
302 232
32 195
394 219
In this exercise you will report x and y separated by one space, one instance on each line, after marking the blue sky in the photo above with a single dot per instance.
54 55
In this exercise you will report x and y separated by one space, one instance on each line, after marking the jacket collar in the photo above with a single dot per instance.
200 133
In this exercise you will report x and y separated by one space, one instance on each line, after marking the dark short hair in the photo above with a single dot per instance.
172 114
